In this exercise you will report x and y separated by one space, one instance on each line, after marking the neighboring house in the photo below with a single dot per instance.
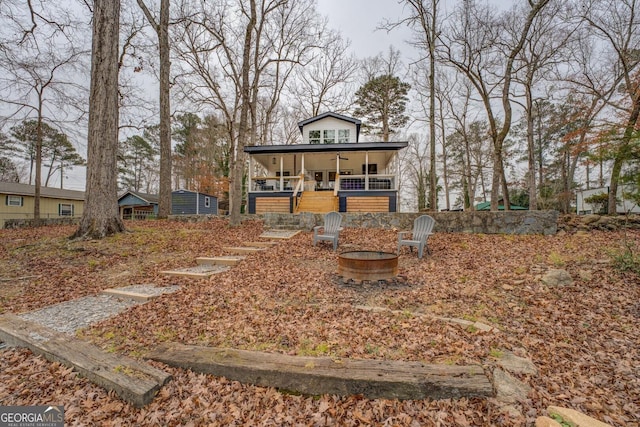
623 204
18 201
330 171
134 205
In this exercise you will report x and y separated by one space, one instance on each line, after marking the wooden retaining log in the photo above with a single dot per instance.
135 382
323 375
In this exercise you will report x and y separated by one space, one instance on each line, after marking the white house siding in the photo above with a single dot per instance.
329 123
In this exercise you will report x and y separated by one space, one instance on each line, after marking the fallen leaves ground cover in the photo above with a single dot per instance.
582 337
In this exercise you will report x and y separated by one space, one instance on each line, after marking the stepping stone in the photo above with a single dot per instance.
135 382
279 234
261 244
389 379
220 260
576 418
239 250
197 272
140 293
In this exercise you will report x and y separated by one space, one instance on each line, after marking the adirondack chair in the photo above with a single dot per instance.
422 227
330 230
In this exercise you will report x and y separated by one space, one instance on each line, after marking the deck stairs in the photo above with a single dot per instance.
317 202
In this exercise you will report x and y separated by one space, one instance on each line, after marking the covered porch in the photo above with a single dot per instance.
318 178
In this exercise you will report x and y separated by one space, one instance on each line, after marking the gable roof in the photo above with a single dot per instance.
14 188
151 199
356 122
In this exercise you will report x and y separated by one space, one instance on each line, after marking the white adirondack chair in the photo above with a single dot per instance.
330 230
422 227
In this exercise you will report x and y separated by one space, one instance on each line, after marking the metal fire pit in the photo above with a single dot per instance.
367 265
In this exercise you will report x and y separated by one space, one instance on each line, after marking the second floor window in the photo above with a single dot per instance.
314 137
343 136
329 136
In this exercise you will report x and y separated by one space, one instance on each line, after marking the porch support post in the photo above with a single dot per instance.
281 173
302 167
250 175
366 171
397 180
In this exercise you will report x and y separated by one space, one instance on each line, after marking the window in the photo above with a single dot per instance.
343 136
65 209
207 201
329 136
14 200
314 137
372 170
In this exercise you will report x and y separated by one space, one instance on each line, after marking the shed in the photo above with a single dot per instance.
186 202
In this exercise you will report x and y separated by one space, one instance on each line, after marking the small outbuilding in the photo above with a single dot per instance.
135 205
185 202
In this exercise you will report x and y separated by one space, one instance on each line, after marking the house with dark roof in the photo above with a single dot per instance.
18 201
330 171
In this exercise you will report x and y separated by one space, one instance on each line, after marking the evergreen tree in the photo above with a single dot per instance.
382 102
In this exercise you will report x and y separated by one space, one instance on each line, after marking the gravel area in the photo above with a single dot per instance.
69 316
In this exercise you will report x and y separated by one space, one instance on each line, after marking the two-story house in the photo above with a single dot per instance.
330 171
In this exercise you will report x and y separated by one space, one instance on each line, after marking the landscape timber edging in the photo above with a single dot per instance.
389 379
133 381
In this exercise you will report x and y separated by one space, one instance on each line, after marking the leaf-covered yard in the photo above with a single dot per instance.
583 337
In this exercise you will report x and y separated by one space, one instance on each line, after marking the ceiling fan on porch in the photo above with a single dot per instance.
339 157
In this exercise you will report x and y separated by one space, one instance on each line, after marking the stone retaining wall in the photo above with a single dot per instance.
512 222
572 223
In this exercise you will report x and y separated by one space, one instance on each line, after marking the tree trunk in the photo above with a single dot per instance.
243 129
445 170
622 153
38 179
531 155
433 202
164 202
101 217
162 30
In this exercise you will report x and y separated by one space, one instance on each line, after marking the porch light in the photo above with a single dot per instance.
273 160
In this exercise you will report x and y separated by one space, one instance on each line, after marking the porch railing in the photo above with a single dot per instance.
373 183
272 183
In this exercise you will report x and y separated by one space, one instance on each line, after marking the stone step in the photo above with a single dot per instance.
279 233
240 250
261 244
220 260
388 379
197 272
135 382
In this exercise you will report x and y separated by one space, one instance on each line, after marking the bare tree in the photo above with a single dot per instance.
614 24
239 66
424 22
39 65
473 47
101 217
324 83
161 27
